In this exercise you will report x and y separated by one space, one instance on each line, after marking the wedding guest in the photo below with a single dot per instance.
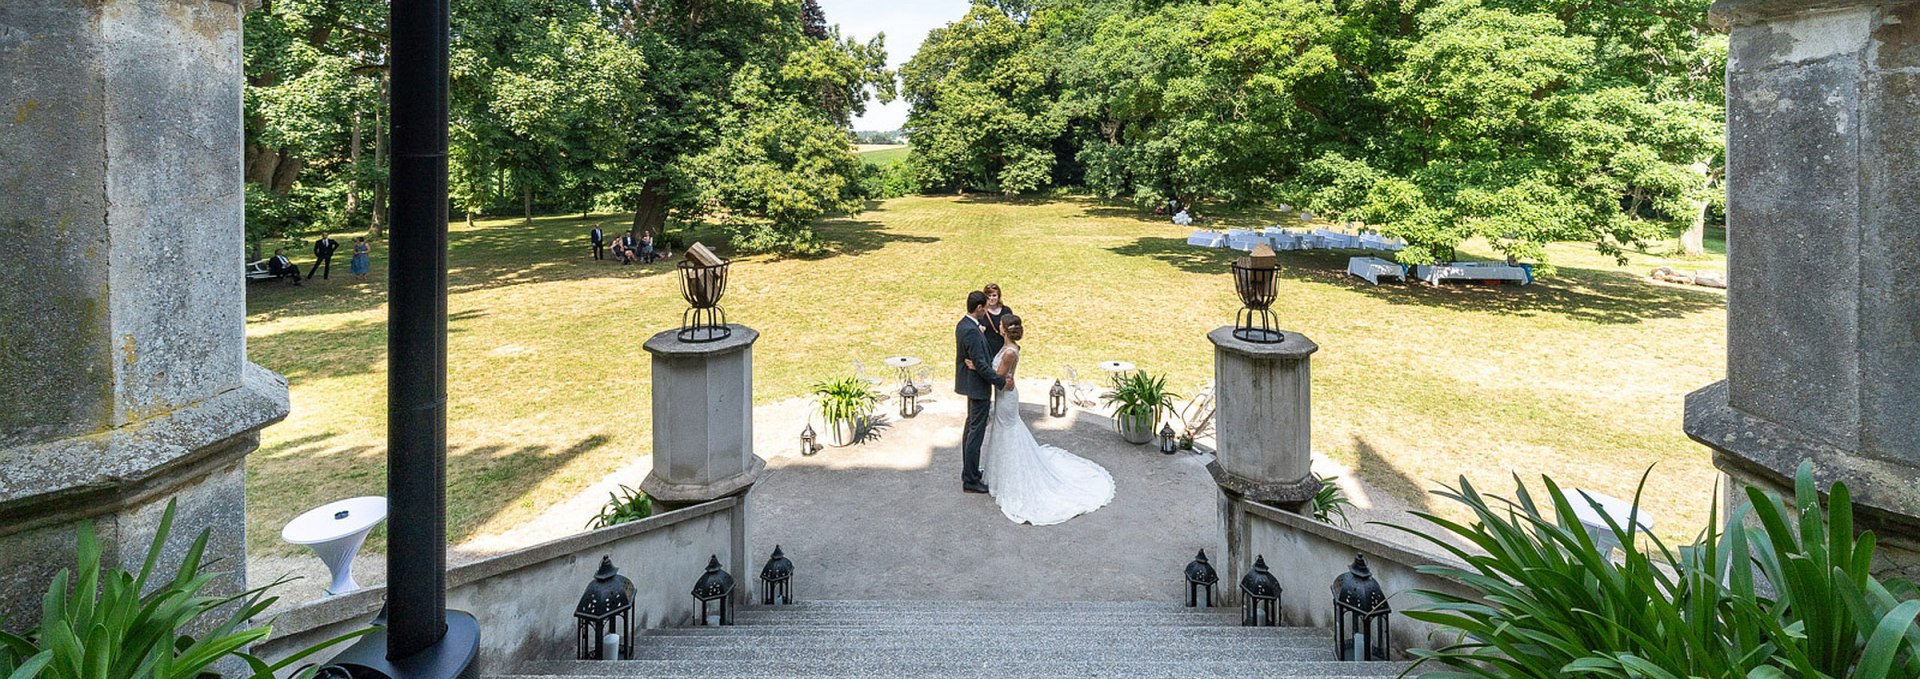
323 256
996 313
598 239
362 262
646 247
626 248
281 267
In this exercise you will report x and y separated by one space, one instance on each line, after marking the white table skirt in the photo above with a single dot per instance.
1374 268
1491 271
1207 239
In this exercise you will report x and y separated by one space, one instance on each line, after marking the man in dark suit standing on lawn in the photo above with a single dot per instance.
599 239
323 256
974 377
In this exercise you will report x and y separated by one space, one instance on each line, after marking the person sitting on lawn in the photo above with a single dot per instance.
646 247
281 267
626 249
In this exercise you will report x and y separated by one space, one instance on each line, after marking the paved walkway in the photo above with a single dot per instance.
886 519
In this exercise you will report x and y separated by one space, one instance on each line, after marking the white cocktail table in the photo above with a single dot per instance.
1619 510
334 532
904 364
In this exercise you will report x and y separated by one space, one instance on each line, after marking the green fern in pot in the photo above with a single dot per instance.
1137 400
845 403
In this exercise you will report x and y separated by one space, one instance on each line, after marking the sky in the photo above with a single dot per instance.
906 23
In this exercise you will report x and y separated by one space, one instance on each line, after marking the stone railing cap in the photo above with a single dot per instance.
667 343
1294 347
1728 13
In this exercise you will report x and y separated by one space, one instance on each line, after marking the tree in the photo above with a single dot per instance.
984 111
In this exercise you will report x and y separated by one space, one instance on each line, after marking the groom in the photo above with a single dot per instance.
974 377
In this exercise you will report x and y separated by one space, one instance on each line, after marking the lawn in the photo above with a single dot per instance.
1581 375
883 155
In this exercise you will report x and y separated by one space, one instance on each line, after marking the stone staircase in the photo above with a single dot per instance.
978 639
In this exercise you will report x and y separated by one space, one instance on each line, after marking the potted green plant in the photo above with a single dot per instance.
845 403
1137 399
101 622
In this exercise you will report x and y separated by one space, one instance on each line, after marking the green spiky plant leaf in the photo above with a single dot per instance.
1790 597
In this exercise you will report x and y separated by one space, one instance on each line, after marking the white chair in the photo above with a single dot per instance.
860 371
1080 394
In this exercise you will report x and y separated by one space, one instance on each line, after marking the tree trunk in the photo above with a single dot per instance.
379 222
526 202
353 174
651 214
1693 243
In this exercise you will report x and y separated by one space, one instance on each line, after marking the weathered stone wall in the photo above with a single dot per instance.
1306 555
123 350
1823 225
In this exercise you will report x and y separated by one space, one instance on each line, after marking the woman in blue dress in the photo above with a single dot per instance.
361 263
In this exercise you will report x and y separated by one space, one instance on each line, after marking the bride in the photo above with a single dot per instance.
1034 483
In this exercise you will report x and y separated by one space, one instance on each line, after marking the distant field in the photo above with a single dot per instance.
882 154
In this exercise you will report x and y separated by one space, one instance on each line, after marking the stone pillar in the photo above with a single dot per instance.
123 349
703 430
1823 225
702 418
1263 422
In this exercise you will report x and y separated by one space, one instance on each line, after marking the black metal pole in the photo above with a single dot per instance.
417 331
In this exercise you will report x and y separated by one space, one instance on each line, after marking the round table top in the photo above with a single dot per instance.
901 361
1616 509
1116 366
335 520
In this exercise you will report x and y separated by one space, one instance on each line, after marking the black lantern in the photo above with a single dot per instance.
776 579
1201 578
909 400
1169 441
1259 596
1253 278
807 438
603 621
715 586
1057 400
1359 614
702 282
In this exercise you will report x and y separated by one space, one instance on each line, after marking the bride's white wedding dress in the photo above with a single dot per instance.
1035 483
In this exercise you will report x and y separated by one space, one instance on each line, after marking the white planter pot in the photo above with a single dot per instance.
843 433
1136 430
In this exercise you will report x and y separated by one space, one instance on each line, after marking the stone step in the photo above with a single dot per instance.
1004 651
948 667
1130 617
1095 645
1149 633
925 604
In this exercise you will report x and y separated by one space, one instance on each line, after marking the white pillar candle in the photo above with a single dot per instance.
610 646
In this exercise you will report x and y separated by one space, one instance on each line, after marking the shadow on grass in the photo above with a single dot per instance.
1380 473
854 236
1587 294
482 481
488 480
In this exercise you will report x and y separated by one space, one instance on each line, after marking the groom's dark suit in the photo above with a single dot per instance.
977 384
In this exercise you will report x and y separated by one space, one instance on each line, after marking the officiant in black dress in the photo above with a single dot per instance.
997 314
